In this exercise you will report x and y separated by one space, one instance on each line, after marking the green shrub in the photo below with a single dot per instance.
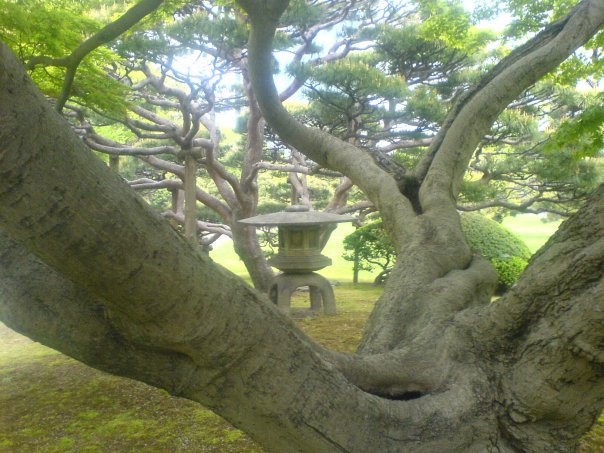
508 254
509 270
490 239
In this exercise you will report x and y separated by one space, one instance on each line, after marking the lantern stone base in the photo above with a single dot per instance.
321 292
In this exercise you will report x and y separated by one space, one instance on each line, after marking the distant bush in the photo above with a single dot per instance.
508 253
489 238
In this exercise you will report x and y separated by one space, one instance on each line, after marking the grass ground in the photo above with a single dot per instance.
52 403
533 229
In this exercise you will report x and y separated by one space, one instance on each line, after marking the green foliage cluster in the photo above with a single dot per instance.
357 76
54 29
583 134
490 239
552 163
198 25
371 246
509 255
51 28
433 48
509 270
353 88
449 23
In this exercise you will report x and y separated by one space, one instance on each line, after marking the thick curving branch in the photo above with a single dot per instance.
166 314
547 334
216 337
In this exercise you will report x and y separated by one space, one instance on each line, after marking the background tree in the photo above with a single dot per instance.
439 368
168 116
369 246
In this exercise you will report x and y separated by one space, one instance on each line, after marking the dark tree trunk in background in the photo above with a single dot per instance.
247 247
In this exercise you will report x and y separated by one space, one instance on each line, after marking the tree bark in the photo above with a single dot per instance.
245 238
190 183
456 374
114 163
247 247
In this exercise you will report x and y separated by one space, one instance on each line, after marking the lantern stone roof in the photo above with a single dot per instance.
297 215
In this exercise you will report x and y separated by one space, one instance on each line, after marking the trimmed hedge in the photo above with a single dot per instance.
506 251
489 238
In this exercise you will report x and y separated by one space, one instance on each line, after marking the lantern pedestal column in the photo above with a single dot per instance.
321 292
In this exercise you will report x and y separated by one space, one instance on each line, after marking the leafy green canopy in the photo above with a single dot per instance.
543 156
583 134
370 247
44 33
53 29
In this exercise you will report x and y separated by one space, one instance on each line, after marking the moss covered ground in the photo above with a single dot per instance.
52 403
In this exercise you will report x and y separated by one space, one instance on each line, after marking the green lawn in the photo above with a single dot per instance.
51 403
533 229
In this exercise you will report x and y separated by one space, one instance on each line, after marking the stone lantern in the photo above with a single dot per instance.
302 236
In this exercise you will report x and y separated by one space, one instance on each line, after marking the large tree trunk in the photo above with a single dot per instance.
441 369
245 238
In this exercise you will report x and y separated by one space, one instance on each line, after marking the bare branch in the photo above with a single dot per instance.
405 144
222 209
215 228
521 207
131 150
